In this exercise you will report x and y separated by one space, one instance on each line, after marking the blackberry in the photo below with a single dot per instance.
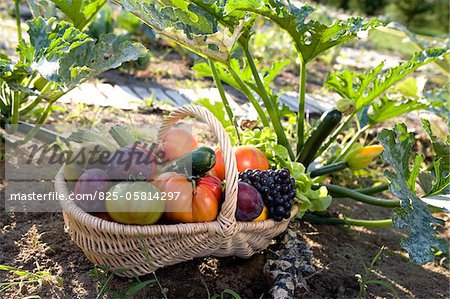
277 189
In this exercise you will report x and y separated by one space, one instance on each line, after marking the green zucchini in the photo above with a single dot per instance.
195 163
327 169
327 123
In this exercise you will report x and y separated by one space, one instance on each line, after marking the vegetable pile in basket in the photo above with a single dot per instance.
175 182
339 151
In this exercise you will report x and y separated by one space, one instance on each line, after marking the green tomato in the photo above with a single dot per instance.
134 203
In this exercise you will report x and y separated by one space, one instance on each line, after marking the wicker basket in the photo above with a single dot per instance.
138 250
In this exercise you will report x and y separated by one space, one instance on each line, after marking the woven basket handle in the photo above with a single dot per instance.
227 213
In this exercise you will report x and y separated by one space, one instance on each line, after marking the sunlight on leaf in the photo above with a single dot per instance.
311 37
80 12
363 88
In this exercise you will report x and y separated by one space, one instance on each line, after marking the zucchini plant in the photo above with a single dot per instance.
220 32
57 57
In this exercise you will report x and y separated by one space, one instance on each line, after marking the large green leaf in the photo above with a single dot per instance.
63 57
388 108
216 8
189 25
310 37
436 183
441 147
202 69
80 12
62 54
413 214
363 88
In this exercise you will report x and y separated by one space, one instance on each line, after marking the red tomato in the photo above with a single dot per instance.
247 157
214 183
176 143
198 203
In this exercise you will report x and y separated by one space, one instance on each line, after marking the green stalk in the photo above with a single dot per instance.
271 108
17 13
349 144
327 169
373 190
335 134
40 121
371 200
301 107
250 97
316 219
15 109
27 109
225 102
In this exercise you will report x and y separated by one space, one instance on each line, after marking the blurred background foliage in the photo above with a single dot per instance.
427 17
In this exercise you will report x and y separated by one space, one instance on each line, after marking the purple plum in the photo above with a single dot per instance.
249 202
90 190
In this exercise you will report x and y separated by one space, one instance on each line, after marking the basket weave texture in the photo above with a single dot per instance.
139 250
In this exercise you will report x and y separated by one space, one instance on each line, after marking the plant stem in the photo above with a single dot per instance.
301 107
327 169
349 144
373 190
15 111
271 108
40 121
225 102
17 13
316 219
371 200
27 109
250 97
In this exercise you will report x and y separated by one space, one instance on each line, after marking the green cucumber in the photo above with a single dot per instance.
327 123
195 163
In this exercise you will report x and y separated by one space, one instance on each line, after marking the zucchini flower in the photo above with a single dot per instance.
362 157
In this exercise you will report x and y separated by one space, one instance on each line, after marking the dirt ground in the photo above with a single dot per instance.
28 239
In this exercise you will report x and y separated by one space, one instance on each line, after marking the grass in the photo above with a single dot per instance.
368 277
105 277
23 277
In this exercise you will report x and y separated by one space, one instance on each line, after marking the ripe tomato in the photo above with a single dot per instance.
214 183
197 201
176 143
247 157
